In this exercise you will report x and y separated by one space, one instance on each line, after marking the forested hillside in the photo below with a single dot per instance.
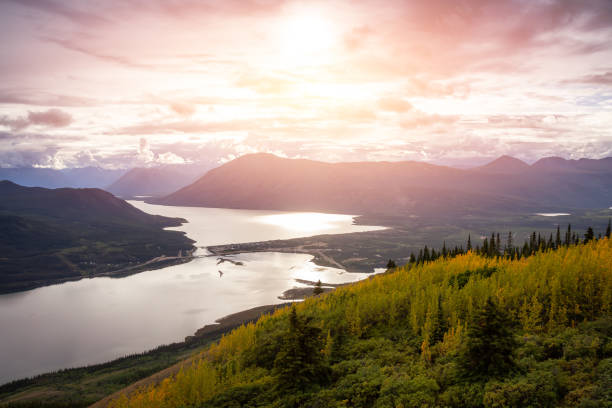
52 235
468 331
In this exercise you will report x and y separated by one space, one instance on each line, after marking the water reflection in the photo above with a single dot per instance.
95 320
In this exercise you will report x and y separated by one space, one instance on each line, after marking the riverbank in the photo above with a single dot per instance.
124 270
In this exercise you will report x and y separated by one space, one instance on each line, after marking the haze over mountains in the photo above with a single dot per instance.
141 181
93 177
264 181
155 181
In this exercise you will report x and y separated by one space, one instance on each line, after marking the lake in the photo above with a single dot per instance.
96 320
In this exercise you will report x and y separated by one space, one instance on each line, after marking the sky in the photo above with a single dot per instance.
127 83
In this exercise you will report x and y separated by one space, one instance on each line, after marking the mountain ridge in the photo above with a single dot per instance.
265 181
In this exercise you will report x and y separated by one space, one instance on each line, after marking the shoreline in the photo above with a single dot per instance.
19 390
171 356
319 257
158 262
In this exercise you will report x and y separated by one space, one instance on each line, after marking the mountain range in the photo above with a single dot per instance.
155 181
94 177
140 181
265 181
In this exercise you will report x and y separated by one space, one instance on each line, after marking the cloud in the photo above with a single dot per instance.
598 79
423 87
416 119
51 118
183 109
40 97
63 9
77 46
264 84
393 104
357 37
147 157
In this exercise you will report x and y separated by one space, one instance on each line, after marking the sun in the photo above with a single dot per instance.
306 36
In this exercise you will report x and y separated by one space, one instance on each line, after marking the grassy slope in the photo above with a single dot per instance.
380 349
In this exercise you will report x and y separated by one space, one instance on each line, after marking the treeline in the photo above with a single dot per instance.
498 246
469 331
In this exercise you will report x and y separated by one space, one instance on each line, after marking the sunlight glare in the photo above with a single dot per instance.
306 37
305 222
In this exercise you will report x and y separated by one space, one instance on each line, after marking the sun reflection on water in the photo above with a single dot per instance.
305 222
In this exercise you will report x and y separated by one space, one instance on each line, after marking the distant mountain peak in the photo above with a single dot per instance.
506 164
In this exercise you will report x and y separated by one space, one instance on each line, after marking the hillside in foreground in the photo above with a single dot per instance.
469 331
53 235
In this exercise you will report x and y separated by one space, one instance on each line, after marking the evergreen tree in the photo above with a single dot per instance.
509 243
589 235
550 244
391 264
558 237
498 245
533 241
568 235
426 254
441 325
490 344
539 243
412 258
299 363
469 243
609 228
318 288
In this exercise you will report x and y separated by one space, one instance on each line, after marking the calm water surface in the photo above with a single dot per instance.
95 320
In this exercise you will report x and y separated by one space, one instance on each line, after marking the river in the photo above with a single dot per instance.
95 320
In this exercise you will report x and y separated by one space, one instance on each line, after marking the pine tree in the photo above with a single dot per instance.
391 264
609 228
533 241
498 245
568 235
509 243
490 344
318 288
412 258
441 325
589 235
299 363
550 244
469 243
558 237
